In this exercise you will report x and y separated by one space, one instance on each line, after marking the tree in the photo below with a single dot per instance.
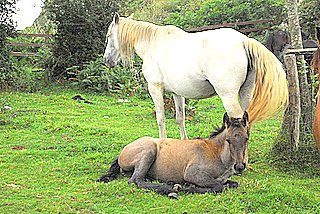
7 29
304 98
309 11
80 31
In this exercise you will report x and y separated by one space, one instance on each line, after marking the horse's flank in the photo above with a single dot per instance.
132 31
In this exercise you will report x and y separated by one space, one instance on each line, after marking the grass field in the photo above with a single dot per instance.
53 148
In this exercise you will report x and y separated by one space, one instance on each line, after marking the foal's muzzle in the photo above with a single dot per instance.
239 168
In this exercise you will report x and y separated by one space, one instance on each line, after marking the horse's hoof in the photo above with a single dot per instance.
233 184
103 179
173 195
177 187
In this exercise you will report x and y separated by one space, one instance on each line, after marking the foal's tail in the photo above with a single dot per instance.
112 174
271 89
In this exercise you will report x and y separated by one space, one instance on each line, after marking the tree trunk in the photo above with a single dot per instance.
305 92
293 112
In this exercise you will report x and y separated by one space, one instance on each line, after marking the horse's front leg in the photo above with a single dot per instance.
156 92
200 176
180 114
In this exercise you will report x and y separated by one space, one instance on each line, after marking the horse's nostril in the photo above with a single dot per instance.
239 167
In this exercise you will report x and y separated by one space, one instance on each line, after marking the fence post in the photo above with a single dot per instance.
294 107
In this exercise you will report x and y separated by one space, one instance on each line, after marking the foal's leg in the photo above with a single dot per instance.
201 190
180 114
156 92
200 177
141 169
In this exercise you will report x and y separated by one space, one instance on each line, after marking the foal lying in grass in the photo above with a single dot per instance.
205 163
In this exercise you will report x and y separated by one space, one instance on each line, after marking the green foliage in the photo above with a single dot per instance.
7 9
80 30
210 12
309 11
196 13
95 76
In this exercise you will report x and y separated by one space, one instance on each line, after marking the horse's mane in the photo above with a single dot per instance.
217 131
131 31
235 122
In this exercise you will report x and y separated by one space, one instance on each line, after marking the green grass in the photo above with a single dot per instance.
52 149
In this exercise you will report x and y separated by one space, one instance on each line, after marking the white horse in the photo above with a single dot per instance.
219 62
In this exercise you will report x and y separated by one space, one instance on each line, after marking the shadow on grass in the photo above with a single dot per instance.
303 161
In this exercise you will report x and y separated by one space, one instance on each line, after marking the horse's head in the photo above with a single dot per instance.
112 51
237 136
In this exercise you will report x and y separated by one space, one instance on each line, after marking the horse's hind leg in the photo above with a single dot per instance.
113 172
141 167
180 114
246 90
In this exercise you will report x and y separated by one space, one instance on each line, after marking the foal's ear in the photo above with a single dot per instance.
245 118
116 18
226 119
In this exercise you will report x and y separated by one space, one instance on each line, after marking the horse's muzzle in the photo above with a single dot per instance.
108 62
239 168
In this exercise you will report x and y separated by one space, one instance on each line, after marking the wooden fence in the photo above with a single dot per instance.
26 44
268 22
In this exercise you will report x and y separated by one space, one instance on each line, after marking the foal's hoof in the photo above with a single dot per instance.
173 195
177 187
232 184
105 179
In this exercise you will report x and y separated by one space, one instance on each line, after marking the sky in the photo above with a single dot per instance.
27 12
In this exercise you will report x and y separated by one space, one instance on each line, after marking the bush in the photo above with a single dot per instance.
95 76
7 8
80 30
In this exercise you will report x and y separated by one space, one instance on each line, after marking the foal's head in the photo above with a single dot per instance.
237 135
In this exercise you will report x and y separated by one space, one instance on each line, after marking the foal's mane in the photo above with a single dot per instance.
131 31
235 122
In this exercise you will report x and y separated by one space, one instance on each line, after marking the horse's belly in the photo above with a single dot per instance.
195 89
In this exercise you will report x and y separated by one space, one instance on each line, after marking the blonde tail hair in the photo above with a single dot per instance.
271 89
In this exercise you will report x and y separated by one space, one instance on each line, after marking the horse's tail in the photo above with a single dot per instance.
113 172
271 89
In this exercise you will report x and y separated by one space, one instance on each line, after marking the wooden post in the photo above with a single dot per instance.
294 108
296 43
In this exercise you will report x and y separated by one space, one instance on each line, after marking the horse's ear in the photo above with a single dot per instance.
318 33
131 16
226 119
245 118
116 18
